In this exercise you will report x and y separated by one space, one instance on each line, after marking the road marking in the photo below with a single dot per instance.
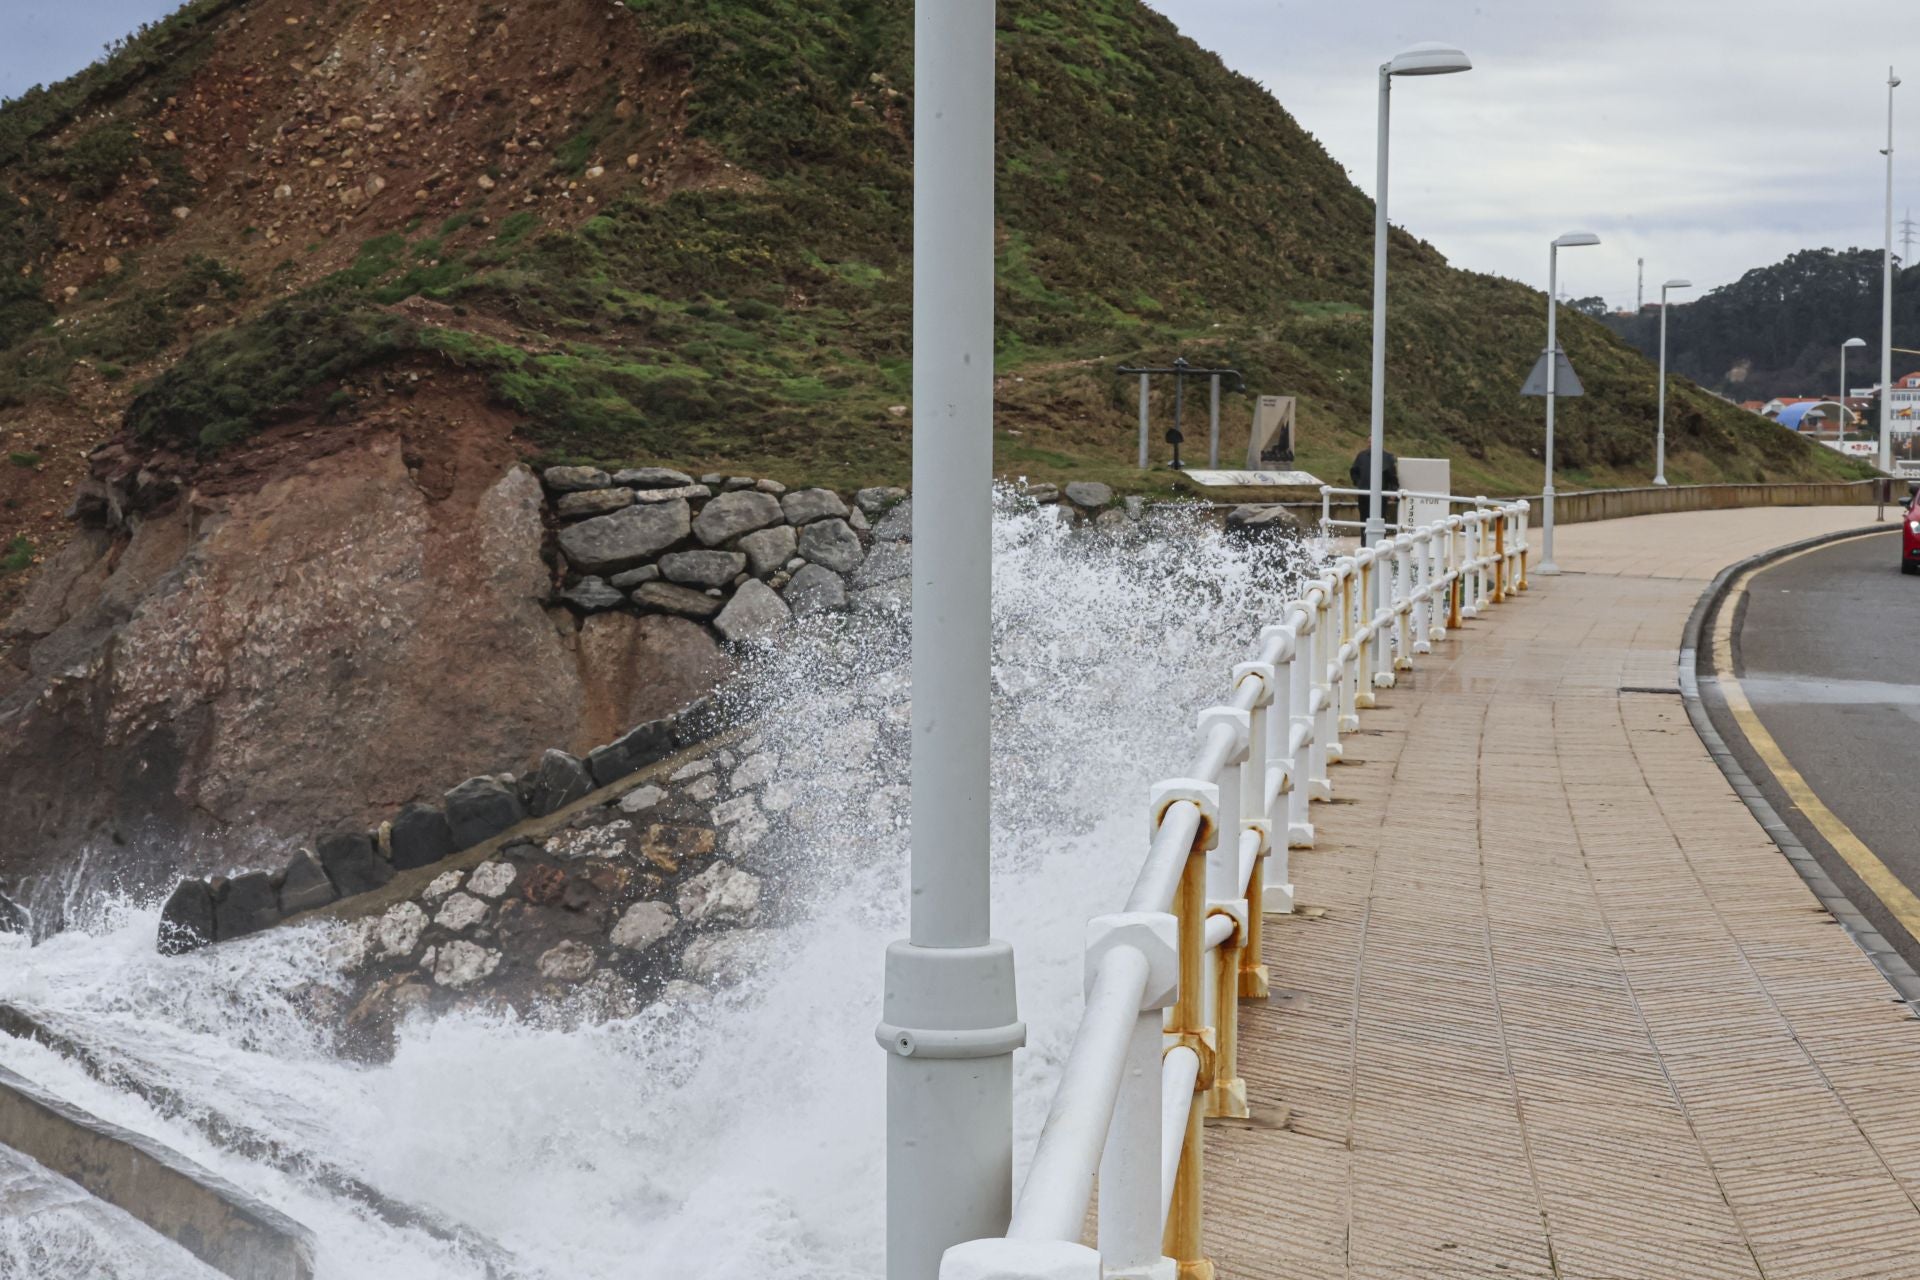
1899 900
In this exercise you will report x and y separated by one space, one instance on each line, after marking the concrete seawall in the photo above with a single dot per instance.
217 1223
1581 506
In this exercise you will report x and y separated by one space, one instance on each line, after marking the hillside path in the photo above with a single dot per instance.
1569 1012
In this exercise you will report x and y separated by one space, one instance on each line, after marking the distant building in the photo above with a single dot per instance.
1903 402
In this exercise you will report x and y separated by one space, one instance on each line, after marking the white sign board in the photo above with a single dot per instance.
1425 475
1270 445
1253 479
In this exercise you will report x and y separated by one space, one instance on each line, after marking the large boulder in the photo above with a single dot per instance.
887 562
804 506
897 524
732 514
350 861
769 549
831 543
1261 520
419 837
609 544
1089 493
480 809
755 613
703 568
186 922
876 500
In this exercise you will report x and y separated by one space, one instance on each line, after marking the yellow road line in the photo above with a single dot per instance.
1899 900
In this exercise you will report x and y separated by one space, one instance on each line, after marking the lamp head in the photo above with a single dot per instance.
1853 342
1428 60
1574 239
1677 284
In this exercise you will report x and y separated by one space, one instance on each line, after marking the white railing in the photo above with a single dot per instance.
1328 493
1157 1050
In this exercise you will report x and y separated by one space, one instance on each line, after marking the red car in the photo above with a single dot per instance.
1909 538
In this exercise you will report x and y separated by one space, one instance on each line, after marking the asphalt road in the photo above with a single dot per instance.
1829 654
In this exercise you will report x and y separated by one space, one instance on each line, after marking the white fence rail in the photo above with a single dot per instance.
1157 1050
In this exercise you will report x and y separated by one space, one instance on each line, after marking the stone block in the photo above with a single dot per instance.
421 835
306 885
248 905
350 862
186 922
481 808
560 780
633 750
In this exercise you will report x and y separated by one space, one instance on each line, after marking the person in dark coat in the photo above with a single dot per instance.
1361 473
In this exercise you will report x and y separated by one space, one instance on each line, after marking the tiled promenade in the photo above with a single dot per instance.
1568 1012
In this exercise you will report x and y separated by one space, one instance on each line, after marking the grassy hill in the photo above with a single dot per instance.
680 231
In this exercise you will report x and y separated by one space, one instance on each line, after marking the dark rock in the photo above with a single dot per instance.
733 514
652 477
590 595
878 499
702 568
560 780
804 506
420 836
634 750
248 906
349 860
702 718
897 524
1044 493
768 549
634 577
608 544
186 922
575 479
480 809
684 602
738 482
592 502
1089 493
306 885
815 589
831 543
754 613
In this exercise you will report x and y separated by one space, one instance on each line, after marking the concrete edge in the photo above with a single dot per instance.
210 1218
1695 672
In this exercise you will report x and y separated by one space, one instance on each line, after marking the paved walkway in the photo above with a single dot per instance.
1568 1011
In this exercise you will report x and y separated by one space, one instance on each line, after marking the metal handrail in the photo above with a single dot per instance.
1156 1049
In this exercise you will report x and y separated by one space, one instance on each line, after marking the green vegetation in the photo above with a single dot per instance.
24 459
18 555
1152 204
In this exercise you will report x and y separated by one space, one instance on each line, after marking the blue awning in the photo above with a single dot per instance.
1791 415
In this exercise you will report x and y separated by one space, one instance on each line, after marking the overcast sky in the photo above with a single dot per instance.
1708 136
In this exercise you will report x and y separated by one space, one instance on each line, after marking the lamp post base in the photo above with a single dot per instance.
1548 570
1660 480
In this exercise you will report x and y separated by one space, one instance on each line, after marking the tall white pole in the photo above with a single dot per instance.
1886 299
949 1022
1376 526
1841 417
1660 437
1547 566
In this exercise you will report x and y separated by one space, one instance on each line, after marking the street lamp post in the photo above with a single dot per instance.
1886 297
949 1023
1571 240
1842 415
1420 60
1660 438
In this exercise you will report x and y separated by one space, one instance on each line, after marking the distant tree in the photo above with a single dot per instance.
1783 325
1596 306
